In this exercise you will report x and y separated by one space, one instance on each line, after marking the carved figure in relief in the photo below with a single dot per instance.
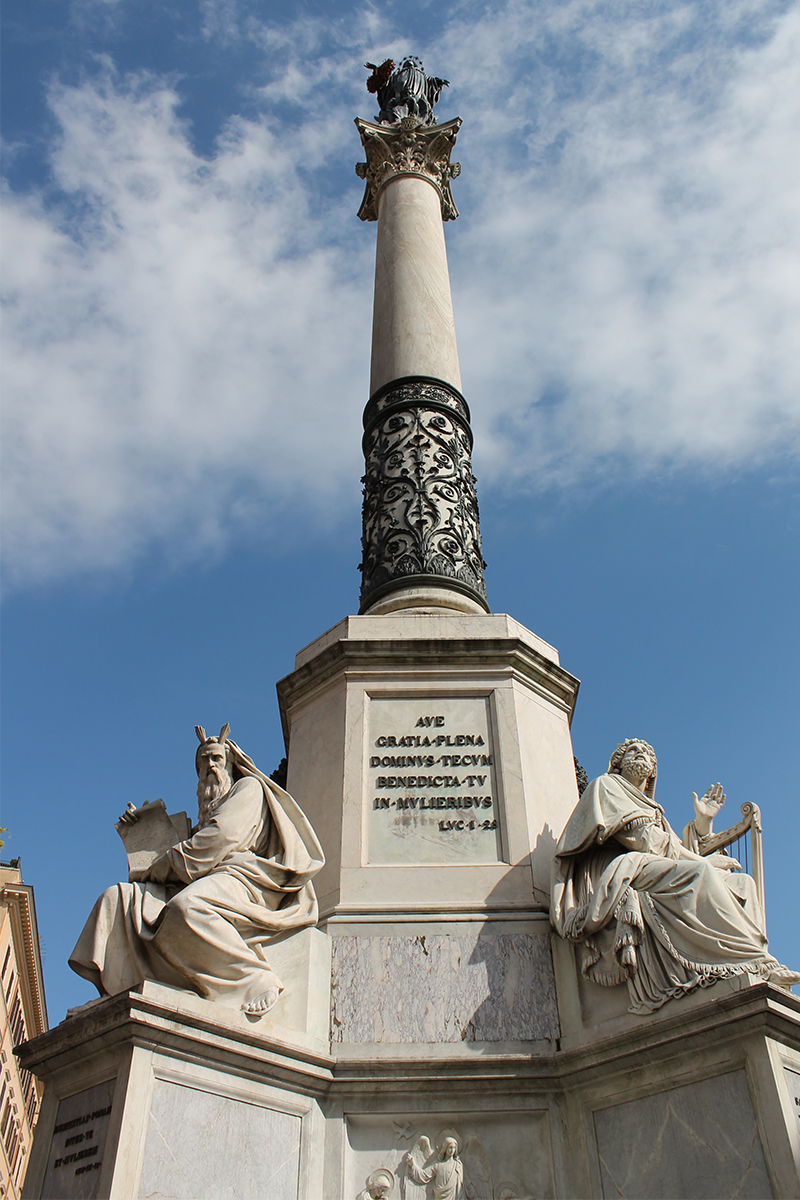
379 1185
199 915
448 1172
442 1169
405 91
643 908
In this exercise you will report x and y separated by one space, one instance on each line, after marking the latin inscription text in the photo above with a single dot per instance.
442 765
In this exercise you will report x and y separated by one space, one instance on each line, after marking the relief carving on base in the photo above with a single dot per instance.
447 1169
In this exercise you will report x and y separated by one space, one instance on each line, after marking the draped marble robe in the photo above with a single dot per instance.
444 1177
644 909
210 904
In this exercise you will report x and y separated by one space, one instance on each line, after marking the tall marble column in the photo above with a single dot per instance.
421 533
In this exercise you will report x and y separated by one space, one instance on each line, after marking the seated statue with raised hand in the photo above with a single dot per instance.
644 908
698 836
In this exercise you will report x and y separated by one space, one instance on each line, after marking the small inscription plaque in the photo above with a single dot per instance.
432 782
793 1080
79 1139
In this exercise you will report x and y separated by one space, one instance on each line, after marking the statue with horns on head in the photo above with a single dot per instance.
199 916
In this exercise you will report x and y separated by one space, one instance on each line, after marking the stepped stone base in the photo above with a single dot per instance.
160 1094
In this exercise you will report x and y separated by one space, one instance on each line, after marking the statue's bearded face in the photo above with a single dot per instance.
637 764
214 778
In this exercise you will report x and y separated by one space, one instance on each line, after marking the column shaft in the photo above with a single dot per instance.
421 534
413 332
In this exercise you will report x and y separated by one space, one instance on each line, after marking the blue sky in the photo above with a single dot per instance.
187 326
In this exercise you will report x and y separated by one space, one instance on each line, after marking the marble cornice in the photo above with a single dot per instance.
711 1037
132 1019
758 1009
478 656
18 898
717 1029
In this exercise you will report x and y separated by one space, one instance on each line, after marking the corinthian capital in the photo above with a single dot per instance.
408 148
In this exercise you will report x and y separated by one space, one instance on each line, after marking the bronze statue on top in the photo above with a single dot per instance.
405 91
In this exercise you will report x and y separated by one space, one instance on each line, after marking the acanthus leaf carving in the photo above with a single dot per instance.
409 148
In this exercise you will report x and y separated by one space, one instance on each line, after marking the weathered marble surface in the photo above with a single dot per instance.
77 1145
467 987
200 1145
695 1141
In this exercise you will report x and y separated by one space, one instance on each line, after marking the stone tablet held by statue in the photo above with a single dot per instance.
151 833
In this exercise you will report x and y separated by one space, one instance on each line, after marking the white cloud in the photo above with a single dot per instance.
188 339
644 283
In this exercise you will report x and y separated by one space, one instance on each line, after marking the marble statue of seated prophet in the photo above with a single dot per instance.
643 908
201 914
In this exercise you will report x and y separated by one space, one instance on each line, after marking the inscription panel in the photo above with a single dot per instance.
79 1139
793 1080
431 782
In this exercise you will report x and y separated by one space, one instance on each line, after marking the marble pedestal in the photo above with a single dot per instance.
431 751
160 1094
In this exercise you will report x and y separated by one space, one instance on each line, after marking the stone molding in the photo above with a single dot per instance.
18 899
142 1039
409 148
411 389
478 655
185 1025
420 513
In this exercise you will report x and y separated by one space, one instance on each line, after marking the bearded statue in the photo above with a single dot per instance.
644 909
201 914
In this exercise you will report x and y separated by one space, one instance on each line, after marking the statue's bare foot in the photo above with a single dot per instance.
261 1004
784 977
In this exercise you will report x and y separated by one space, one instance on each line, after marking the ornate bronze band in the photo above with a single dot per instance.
421 523
415 389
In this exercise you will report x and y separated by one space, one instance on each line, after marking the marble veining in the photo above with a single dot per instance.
695 1141
200 1145
488 987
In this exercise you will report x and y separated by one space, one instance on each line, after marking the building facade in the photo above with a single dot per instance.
23 1015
